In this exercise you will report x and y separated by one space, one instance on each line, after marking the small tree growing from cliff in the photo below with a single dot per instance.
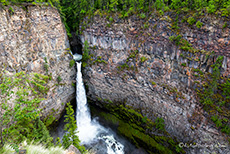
19 113
85 55
71 137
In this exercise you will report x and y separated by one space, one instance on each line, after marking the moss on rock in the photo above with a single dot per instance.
137 128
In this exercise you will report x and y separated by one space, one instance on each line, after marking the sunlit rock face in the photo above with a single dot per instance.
32 37
158 80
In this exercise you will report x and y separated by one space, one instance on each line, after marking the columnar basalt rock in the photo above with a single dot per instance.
157 80
33 39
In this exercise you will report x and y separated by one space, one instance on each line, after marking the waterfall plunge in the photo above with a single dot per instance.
88 130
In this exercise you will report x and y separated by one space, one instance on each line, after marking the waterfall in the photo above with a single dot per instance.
90 130
87 129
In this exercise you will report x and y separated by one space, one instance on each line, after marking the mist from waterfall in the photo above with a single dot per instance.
90 130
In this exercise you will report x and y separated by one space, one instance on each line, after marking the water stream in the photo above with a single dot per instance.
90 131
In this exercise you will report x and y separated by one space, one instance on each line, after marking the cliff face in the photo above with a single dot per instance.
33 39
158 79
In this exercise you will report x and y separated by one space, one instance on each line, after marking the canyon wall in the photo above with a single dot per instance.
33 39
133 61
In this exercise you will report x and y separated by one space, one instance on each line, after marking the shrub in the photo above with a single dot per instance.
225 25
153 83
85 55
46 67
161 12
211 6
160 123
183 64
226 12
71 63
191 20
199 24
11 10
21 121
146 26
226 129
142 15
159 4
111 19
143 59
59 79
71 137
177 39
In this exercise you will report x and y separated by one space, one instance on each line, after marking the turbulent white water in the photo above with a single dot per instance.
89 130
112 148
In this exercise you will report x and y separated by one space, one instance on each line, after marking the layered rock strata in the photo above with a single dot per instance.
134 62
33 39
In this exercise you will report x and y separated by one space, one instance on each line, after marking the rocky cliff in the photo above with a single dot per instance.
33 39
134 62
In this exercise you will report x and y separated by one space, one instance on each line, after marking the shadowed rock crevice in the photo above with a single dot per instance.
75 44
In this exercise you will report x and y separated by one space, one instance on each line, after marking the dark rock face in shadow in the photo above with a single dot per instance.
76 44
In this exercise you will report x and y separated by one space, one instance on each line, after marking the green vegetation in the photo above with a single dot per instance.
142 15
183 64
74 11
153 83
176 39
49 120
11 10
225 25
135 127
160 123
199 24
71 63
110 19
133 57
185 45
46 66
85 55
59 79
99 60
71 137
20 116
143 59
191 20
214 93
215 96
22 120
33 148
123 66
40 82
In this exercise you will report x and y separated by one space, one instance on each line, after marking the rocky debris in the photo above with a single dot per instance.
31 39
98 147
72 150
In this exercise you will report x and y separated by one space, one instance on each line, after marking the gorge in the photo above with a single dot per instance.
163 88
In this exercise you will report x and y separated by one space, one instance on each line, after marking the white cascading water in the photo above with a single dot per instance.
86 129
89 130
